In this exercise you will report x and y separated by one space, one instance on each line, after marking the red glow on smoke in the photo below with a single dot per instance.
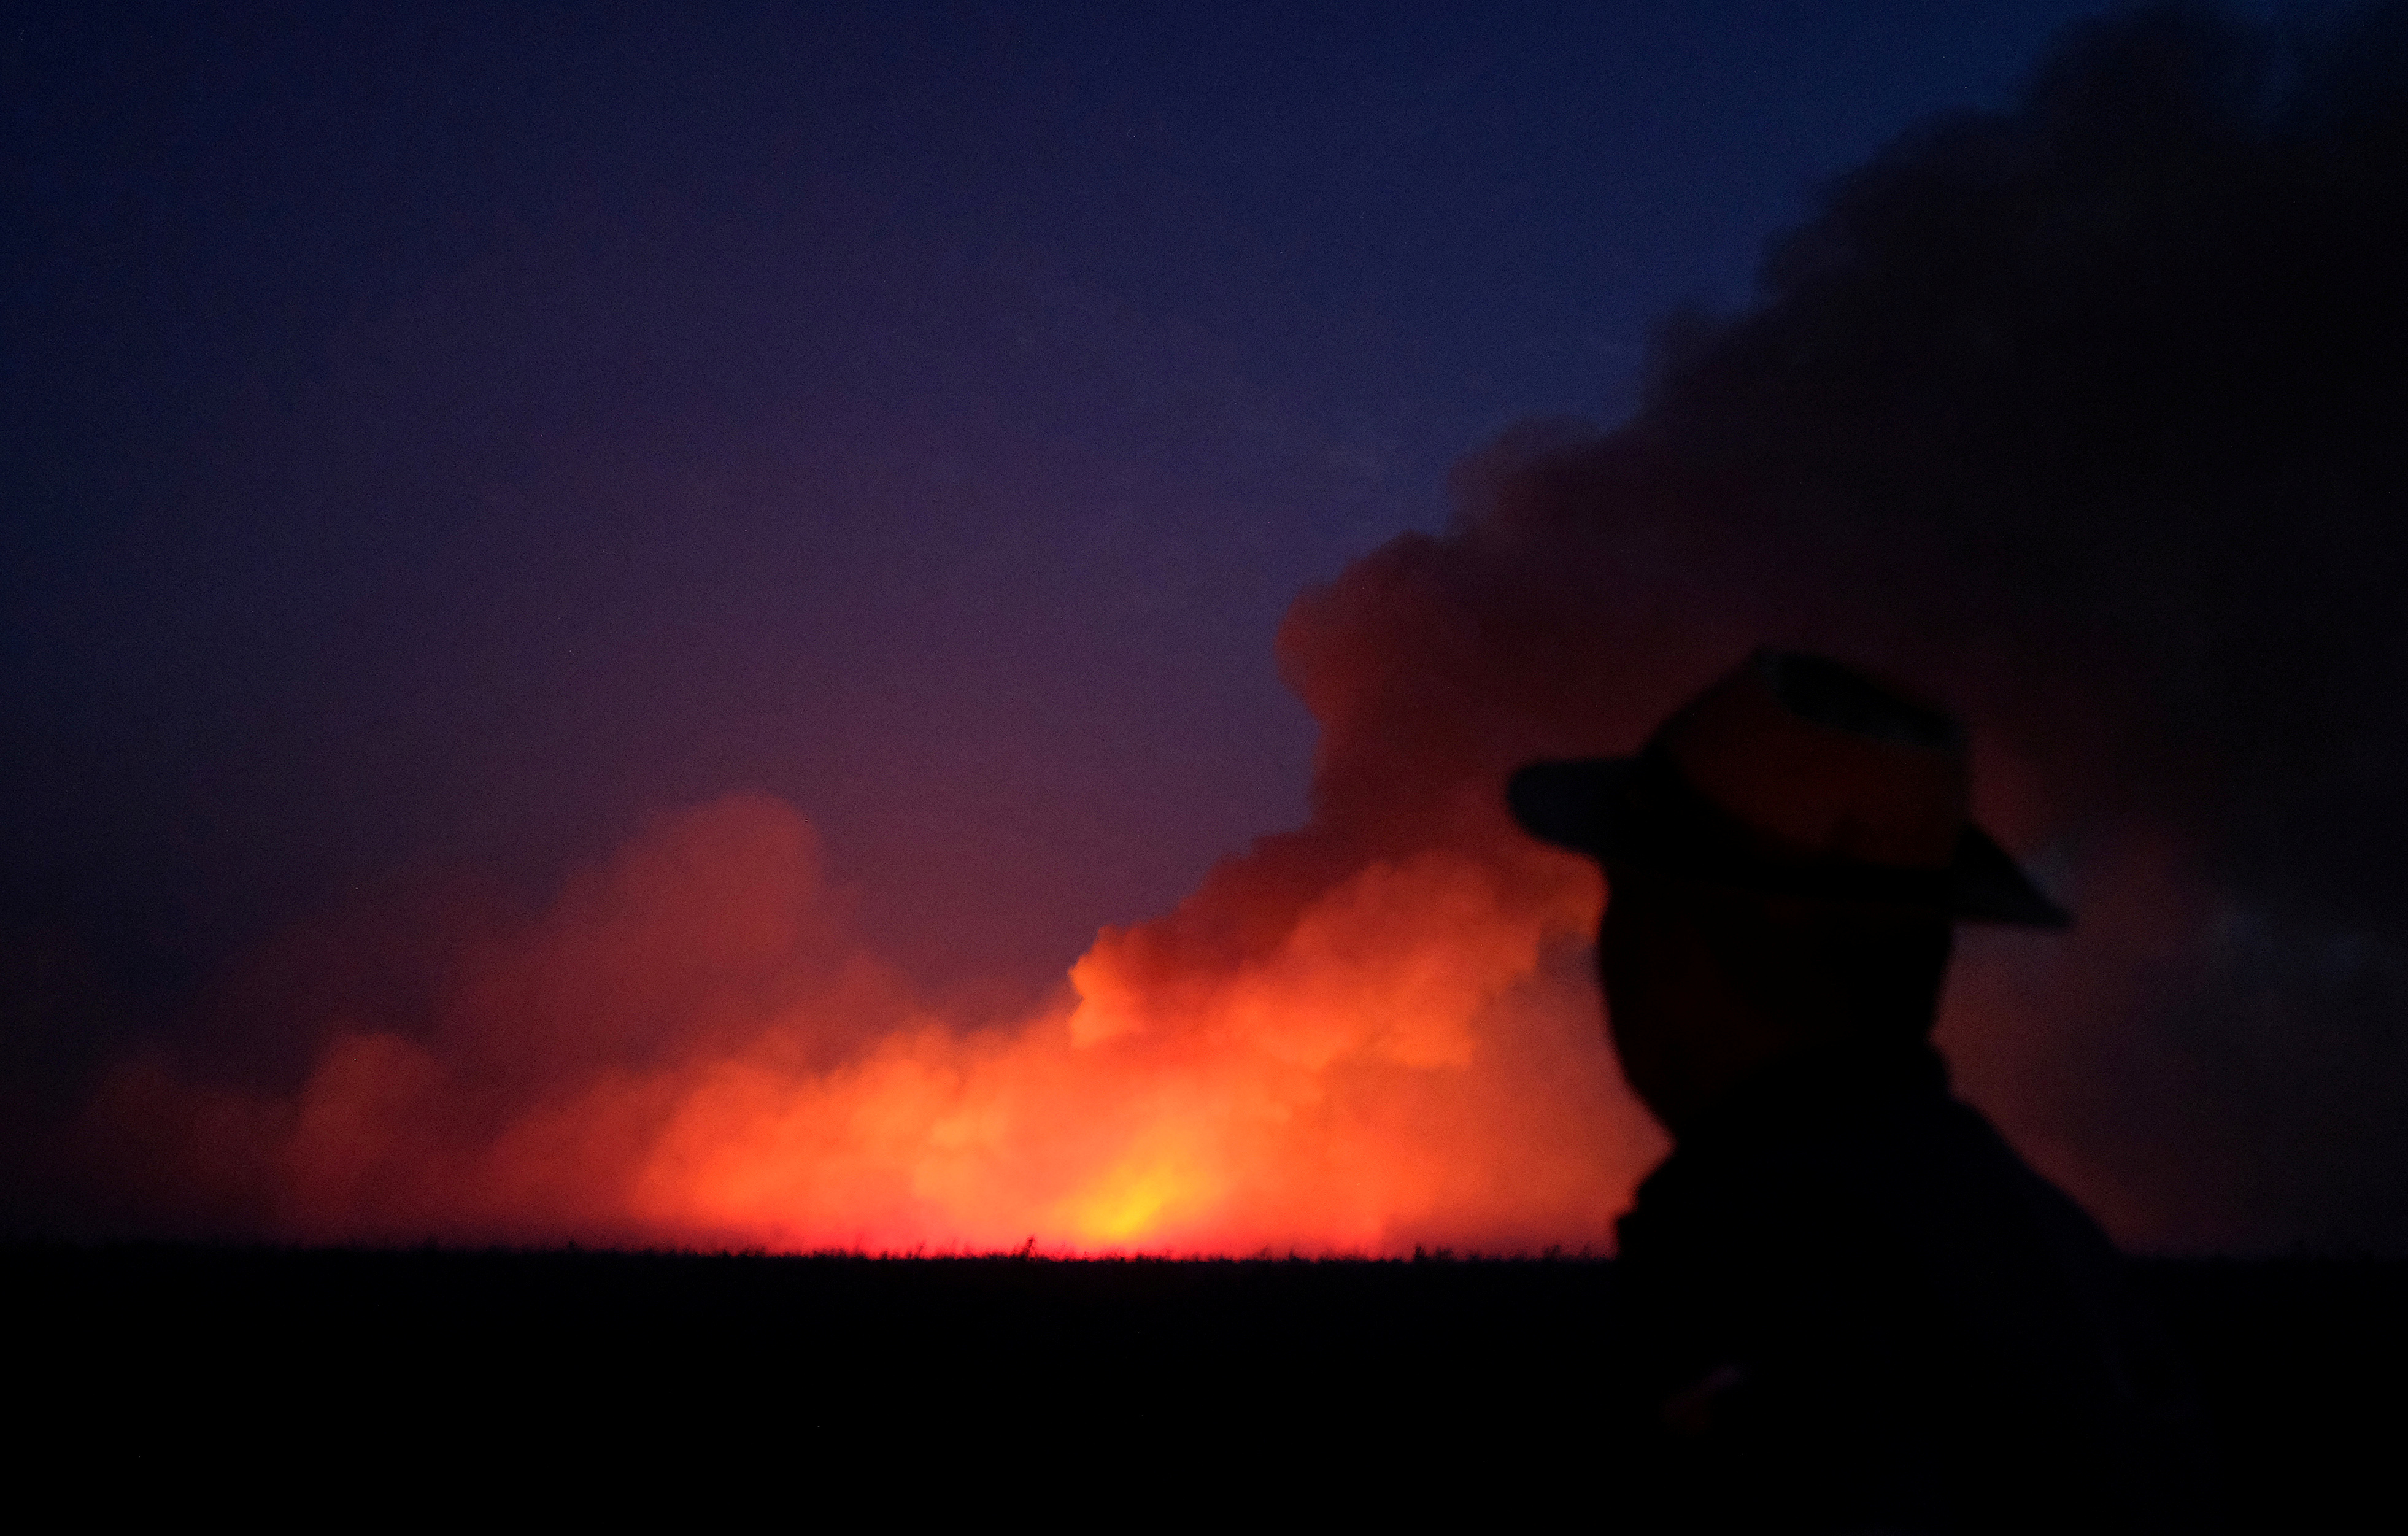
1376 1032
687 1049
1379 1032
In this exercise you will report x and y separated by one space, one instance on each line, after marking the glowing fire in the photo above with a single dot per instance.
686 1049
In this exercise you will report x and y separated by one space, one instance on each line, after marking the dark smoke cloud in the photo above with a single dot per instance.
2089 415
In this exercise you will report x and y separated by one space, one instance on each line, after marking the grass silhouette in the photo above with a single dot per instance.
1405 1380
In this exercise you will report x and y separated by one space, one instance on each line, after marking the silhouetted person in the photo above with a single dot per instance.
1843 1302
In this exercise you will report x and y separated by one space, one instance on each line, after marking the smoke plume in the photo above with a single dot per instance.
2087 415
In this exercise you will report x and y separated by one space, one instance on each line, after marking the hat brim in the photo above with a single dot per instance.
1591 805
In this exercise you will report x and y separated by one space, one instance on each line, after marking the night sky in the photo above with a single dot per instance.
440 443
450 436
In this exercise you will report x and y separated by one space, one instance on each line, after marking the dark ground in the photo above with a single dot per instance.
1364 1385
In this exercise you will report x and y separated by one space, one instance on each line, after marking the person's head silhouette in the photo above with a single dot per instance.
1843 1302
1785 856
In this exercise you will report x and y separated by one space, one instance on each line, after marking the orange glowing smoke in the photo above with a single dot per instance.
1379 1032
686 1049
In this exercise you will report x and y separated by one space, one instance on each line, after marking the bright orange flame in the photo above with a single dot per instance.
686 1049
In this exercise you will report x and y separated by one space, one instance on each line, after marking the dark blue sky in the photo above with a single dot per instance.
441 439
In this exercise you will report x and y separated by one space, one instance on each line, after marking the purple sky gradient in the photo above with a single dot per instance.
438 439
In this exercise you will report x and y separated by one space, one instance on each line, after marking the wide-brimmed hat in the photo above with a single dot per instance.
1796 776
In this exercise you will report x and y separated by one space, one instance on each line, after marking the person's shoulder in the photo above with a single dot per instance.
2025 1273
1982 1159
